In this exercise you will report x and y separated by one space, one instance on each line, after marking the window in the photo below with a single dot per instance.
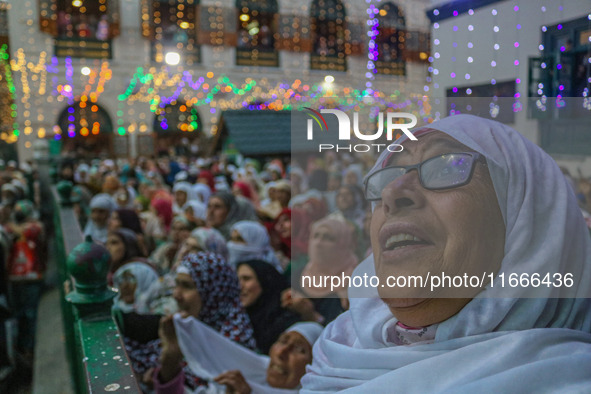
84 28
487 100
175 32
391 40
257 29
559 88
564 69
327 18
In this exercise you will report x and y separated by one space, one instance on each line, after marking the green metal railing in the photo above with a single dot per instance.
94 348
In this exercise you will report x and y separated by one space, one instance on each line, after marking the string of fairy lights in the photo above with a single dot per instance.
57 79
509 54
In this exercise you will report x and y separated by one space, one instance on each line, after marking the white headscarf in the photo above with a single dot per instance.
208 353
199 209
100 201
144 276
493 343
257 246
202 192
184 187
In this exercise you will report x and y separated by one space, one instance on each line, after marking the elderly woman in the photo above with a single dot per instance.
230 368
470 197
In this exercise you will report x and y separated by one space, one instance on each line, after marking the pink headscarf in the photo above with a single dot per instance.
163 207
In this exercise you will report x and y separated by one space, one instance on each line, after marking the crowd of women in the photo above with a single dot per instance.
206 257
220 242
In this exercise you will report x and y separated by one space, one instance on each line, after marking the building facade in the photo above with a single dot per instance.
526 63
131 77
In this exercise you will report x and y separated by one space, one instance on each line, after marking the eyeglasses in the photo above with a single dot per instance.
437 173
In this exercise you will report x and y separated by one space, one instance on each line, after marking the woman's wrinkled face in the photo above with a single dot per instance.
116 248
345 199
187 296
415 231
250 288
288 359
217 212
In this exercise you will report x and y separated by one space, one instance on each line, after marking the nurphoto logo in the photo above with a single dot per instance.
344 132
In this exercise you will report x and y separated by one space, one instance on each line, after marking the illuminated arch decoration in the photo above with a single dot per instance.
391 40
327 21
257 30
177 117
83 118
174 31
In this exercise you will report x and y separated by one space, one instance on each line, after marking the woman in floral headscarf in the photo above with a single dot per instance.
206 289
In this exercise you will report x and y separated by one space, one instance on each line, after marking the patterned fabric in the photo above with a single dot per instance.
219 289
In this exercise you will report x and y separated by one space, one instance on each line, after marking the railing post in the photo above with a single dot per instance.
88 264
103 363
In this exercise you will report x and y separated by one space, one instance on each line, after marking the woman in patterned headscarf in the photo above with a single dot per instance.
206 289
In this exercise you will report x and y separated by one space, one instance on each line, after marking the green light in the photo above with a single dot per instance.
16 132
121 130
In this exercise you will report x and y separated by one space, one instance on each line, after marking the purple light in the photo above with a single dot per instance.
71 118
518 26
517 95
562 49
516 45
516 8
70 110
559 66
559 27
212 110
455 13
561 87
455 28
518 80
455 44
453 75
493 81
455 90
516 62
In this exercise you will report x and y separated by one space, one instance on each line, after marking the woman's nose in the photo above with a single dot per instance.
404 192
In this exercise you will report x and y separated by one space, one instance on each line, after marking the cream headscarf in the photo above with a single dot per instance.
493 344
